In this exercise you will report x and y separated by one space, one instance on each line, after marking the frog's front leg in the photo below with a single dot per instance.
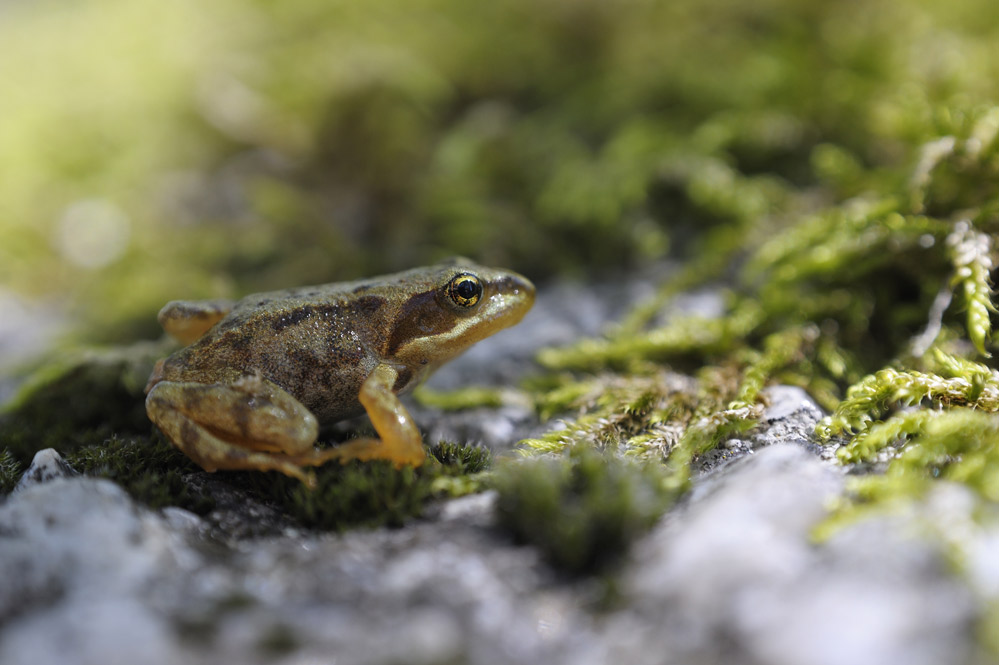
400 440
249 424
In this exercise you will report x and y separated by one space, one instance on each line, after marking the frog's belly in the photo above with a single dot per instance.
341 408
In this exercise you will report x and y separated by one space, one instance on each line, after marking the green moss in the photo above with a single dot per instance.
10 471
150 469
987 630
689 337
368 493
879 304
461 459
618 133
80 400
463 398
971 254
582 509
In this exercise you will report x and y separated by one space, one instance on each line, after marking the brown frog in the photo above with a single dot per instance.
262 374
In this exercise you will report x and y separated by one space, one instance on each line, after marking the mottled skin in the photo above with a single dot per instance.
262 374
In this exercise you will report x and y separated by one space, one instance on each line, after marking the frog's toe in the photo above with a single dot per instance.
368 449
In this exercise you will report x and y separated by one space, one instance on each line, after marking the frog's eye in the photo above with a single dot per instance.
465 290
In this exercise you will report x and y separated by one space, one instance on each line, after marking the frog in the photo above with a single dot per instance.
259 377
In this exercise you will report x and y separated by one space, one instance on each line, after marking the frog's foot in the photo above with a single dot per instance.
400 441
250 424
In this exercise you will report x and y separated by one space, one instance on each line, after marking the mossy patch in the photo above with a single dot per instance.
279 639
148 468
79 399
879 304
90 408
10 471
367 493
581 509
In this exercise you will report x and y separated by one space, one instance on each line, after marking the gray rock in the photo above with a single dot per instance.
735 577
77 559
790 417
95 578
46 465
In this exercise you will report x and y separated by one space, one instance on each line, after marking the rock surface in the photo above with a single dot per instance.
735 577
47 465
731 575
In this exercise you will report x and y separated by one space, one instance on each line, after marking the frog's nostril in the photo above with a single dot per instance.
516 284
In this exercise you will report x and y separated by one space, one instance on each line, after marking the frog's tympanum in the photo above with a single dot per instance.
262 374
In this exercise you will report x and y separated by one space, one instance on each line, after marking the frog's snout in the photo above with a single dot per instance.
516 293
518 285
517 288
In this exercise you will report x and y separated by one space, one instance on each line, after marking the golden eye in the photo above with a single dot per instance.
465 290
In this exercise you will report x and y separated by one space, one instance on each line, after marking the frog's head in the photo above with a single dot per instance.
451 306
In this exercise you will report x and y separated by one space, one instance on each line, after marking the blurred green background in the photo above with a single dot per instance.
159 150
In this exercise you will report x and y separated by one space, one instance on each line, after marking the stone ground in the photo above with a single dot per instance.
732 575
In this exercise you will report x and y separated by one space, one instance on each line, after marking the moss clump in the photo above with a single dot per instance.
879 303
10 471
463 398
461 459
581 509
919 448
80 399
852 301
150 469
366 493
956 382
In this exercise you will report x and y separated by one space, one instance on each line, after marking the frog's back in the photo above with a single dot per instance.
318 343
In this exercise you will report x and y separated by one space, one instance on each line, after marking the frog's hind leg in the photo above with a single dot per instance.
400 440
249 424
